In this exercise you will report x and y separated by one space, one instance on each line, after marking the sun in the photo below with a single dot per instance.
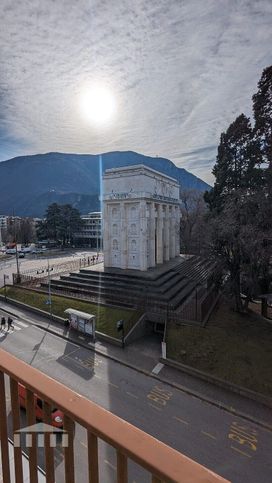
98 105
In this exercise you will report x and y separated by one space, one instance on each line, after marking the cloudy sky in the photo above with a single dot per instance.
179 70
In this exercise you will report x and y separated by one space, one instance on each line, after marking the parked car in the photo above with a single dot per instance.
37 250
26 249
10 251
21 255
57 416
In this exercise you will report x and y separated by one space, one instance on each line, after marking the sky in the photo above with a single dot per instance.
180 71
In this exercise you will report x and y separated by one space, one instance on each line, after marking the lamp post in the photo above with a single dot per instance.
49 289
5 286
121 327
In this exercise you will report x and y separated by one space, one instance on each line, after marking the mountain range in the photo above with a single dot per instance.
28 184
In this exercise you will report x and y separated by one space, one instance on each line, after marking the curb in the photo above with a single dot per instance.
211 379
180 387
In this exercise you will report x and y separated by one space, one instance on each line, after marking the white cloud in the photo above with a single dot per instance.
181 72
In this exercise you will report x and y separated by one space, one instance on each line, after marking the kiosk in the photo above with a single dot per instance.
81 321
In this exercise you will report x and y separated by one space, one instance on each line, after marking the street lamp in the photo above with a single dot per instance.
49 301
121 327
6 277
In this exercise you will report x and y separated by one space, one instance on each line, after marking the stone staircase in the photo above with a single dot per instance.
168 289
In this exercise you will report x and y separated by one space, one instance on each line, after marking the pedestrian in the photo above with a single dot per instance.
3 323
10 323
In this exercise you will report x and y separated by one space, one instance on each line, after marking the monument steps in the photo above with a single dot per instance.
173 279
182 296
105 291
175 285
137 279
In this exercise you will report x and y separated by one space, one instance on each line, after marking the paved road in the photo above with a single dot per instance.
31 262
234 448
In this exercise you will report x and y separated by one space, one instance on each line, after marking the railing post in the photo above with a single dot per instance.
31 420
69 427
4 431
122 472
48 449
156 480
16 426
93 458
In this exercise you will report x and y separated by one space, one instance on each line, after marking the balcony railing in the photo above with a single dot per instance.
164 464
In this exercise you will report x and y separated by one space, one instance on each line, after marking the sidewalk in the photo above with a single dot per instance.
143 355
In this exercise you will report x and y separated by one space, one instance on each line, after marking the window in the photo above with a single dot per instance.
133 229
114 229
115 245
133 245
114 212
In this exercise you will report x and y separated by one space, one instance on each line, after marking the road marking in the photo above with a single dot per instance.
132 395
81 337
155 407
241 452
157 368
110 465
113 385
97 377
242 435
209 435
180 420
21 323
159 395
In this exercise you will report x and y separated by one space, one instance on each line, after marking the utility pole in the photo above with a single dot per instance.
16 249
49 288
121 328
5 285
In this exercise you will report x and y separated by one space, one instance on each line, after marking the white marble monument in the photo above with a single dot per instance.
141 218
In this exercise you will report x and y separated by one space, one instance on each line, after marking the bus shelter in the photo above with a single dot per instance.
81 321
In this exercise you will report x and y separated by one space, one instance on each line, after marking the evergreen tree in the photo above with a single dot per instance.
262 109
60 224
238 178
236 169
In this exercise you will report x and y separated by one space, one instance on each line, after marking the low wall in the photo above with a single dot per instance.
56 318
98 335
138 330
248 393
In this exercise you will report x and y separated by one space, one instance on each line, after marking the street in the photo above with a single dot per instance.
232 447
32 262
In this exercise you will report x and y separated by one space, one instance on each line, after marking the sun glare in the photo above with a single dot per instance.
98 105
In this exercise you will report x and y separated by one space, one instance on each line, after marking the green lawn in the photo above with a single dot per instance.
232 346
106 316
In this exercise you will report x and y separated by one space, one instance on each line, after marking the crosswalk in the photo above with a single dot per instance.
16 326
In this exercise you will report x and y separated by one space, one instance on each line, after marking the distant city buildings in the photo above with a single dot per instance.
90 234
16 228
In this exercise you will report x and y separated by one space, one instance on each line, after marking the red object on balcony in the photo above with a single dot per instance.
56 415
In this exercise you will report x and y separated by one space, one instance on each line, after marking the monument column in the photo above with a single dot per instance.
152 228
177 230
172 233
159 234
143 236
166 254
106 236
123 236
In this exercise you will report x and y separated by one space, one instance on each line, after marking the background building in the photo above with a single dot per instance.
90 233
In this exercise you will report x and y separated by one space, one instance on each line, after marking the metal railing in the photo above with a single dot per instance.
163 463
